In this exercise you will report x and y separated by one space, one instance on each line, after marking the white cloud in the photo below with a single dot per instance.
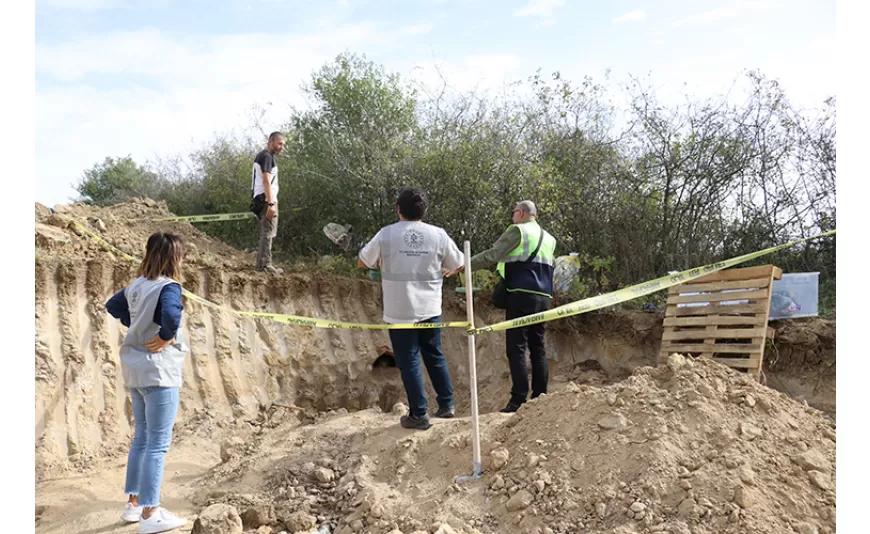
635 15
169 92
84 5
183 60
731 10
539 8
708 16
417 29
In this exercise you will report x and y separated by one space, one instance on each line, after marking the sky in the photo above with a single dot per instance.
155 78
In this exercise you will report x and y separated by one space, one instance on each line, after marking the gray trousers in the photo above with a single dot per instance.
268 230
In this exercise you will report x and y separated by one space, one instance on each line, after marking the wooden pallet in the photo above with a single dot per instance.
717 327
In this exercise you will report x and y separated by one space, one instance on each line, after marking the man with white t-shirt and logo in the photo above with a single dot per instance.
412 256
264 199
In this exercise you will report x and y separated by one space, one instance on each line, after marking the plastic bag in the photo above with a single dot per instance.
340 234
565 270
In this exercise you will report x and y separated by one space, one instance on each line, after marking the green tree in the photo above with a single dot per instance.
116 180
348 155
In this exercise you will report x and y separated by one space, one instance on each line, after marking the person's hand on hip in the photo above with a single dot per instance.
155 344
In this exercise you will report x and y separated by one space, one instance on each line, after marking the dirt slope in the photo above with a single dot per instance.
237 367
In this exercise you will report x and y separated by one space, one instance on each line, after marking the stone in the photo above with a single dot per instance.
744 497
324 474
613 422
675 362
218 519
47 236
520 500
688 508
601 509
60 221
747 476
444 528
539 485
498 459
812 460
498 482
820 480
806 528
399 409
230 448
750 401
256 516
637 506
749 431
299 521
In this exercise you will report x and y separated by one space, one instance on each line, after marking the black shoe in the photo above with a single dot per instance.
511 407
419 423
446 413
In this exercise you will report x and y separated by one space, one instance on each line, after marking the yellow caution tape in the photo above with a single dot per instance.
279 317
105 243
324 323
566 310
210 218
633 292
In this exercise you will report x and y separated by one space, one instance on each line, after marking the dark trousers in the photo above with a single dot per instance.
408 345
520 304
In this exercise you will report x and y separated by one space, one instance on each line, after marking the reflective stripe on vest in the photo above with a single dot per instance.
530 232
536 276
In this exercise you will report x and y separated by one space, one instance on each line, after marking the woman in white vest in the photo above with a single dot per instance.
151 358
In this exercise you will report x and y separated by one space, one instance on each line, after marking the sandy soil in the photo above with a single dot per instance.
383 476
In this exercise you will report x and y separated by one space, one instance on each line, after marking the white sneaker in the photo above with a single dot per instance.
160 521
131 513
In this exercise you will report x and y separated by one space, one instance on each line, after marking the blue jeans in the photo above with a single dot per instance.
154 411
407 345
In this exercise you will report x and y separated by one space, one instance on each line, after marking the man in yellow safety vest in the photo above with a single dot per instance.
525 254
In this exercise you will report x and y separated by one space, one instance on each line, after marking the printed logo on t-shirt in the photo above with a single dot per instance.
413 239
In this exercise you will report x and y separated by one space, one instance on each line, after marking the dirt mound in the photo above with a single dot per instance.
239 366
689 448
802 361
697 449
127 227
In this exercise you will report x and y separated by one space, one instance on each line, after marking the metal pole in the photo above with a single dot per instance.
472 368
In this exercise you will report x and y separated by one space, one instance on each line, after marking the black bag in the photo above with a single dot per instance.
500 295
258 204
500 292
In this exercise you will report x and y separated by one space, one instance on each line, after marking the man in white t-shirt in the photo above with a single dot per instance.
264 199
411 256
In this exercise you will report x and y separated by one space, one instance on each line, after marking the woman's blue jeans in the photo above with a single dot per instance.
154 412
